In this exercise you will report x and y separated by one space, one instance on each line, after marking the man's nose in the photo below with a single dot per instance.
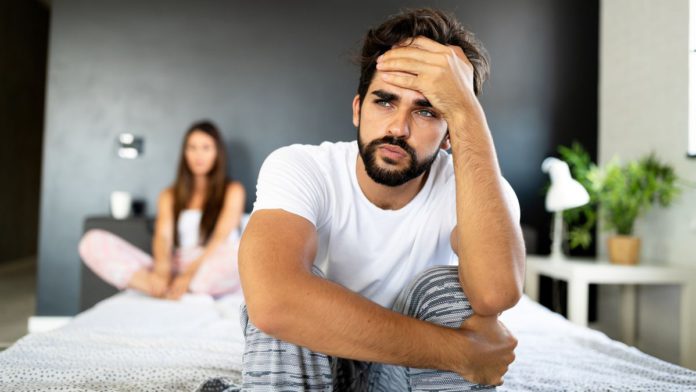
399 126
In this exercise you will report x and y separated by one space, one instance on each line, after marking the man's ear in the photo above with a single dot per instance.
446 145
356 110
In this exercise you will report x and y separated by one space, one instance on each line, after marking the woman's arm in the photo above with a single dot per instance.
229 219
163 239
162 243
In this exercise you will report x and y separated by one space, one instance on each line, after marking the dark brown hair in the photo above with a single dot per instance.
217 183
430 23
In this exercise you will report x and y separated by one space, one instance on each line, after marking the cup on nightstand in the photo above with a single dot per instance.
120 204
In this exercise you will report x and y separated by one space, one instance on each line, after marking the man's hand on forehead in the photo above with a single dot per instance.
443 74
421 42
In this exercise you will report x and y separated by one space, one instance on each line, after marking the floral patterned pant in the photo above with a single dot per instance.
116 260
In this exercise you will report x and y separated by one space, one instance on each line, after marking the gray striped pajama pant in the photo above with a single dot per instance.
274 365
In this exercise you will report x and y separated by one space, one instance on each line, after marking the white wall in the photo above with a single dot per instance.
643 107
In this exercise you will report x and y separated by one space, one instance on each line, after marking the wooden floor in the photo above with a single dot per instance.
17 298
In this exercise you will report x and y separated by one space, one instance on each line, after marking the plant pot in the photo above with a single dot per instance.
624 249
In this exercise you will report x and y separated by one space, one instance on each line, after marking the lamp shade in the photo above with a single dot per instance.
564 192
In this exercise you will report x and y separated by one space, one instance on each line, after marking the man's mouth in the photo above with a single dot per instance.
391 151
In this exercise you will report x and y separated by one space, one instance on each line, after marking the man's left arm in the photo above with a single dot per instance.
488 237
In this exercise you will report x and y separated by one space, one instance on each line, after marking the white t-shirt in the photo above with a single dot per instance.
188 229
371 251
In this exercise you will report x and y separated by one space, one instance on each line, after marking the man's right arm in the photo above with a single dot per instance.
285 300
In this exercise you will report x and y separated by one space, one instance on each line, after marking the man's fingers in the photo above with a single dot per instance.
436 47
441 59
423 43
407 65
459 52
429 44
413 53
400 79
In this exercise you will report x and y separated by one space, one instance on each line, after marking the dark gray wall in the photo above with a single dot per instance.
270 74
23 43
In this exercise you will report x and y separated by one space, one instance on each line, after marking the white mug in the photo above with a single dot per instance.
120 204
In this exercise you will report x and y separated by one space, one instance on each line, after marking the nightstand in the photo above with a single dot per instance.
580 273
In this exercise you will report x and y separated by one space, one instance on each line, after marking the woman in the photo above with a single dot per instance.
196 238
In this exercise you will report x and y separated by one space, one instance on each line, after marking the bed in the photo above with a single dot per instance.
130 342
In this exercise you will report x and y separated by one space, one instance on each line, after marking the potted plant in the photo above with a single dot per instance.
627 191
623 193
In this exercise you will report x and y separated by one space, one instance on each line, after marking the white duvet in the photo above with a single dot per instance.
130 342
555 355
133 343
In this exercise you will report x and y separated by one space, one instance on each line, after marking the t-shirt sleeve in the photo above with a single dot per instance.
291 180
511 200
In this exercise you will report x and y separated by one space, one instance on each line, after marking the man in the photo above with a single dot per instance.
343 232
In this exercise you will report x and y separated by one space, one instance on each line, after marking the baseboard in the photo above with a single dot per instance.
24 263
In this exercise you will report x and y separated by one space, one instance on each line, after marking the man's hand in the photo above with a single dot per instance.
443 74
179 286
490 350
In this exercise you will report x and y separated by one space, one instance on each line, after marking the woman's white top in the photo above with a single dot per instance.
188 229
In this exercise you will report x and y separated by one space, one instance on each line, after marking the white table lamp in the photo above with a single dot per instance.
563 194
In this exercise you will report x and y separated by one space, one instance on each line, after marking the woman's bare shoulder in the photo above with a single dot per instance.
166 196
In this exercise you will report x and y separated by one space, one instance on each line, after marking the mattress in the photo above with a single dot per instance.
130 342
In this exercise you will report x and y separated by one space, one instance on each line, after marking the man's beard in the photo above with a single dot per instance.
392 177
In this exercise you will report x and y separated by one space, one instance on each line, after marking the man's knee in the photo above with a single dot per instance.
436 295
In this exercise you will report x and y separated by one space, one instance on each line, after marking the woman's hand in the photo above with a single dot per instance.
159 283
179 286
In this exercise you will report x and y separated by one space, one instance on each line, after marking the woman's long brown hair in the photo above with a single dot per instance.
217 183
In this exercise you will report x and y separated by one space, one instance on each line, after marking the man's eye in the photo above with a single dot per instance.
383 102
426 113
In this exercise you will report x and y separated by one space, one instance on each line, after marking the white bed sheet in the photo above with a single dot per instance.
554 354
130 342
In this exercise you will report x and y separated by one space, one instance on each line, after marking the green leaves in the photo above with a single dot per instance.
580 220
624 192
